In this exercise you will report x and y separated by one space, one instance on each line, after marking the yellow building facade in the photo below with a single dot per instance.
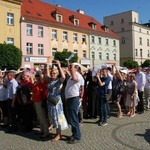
10 13
70 40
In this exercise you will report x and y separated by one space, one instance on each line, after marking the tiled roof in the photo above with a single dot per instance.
41 11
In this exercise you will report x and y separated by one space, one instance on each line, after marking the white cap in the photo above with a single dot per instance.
124 71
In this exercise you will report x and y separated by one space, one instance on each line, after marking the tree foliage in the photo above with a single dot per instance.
10 57
61 56
130 64
146 63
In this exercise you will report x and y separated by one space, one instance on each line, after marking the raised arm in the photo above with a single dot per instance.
73 72
118 72
60 70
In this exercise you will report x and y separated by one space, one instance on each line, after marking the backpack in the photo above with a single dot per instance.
24 94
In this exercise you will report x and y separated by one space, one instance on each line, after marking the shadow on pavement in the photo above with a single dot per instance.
146 135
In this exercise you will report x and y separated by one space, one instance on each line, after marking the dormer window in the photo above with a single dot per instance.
93 25
105 28
28 12
74 20
39 14
59 18
57 15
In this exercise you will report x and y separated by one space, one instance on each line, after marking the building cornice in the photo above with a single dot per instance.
18 2
140 25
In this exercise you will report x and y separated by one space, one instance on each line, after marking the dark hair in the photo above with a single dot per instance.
109 68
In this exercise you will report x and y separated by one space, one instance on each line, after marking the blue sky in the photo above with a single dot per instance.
101 8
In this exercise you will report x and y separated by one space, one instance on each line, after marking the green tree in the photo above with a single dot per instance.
10 57
61 56
130 64
146 63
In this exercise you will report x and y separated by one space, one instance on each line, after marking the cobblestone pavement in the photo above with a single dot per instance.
124 133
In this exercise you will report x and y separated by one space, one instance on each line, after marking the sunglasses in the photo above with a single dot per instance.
37 75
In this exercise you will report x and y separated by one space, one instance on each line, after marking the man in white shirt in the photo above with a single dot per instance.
11 85
141 80
72 94
147 88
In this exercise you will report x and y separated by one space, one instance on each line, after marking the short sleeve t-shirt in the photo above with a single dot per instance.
73 87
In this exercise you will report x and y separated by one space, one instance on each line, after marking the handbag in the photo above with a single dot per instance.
44 104
53 99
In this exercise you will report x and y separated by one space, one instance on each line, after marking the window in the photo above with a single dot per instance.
140 30
122 29
40 31
54 34
39 14
99 40
28 12
107 42
59 18
148 32
29 29
107 56
100 55
76 22
75 37
65 36
84 54
114 56
134 19
83 38
76 51
111 23
122 20
141 53
136 52
10 41
29 48
54 50
148 53
114 42
140 41
93 55
40 49
10 19
94 26
123 40
92 39
147 42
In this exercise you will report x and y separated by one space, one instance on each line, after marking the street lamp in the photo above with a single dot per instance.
141 59
141 55
93 62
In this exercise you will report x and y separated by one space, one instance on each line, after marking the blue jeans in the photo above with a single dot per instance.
73 108
103 109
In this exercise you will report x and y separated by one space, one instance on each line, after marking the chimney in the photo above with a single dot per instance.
80 11
58 5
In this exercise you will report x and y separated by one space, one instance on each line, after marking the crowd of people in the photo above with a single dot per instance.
61 96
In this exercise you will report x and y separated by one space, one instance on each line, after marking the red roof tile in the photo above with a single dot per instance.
36 7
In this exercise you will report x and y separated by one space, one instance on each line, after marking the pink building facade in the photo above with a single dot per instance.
35 44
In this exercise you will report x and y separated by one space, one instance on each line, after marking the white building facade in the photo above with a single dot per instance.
104 50
134 36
